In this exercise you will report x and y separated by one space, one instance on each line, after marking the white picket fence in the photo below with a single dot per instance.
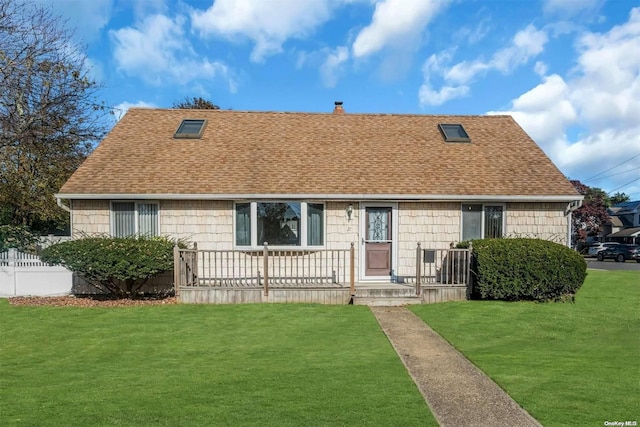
24 274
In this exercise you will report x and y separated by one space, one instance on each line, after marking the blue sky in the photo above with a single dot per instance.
567 70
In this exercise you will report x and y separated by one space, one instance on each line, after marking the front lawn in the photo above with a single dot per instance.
260 365
566 364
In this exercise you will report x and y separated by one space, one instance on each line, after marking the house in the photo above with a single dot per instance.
233 180
627 214
613 225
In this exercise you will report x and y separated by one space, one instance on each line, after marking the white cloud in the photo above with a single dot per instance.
540 68
434 65
120 110
569 7
333 65
545 112
394 22
608 86
591 118
158 51
267 23
149 7
87 18
525 45
472 35
429 96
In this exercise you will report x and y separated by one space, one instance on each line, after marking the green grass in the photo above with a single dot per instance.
566 364
259 365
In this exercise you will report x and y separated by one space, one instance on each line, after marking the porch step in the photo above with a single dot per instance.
386 301
386 296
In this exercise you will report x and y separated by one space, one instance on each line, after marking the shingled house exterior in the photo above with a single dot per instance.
233 180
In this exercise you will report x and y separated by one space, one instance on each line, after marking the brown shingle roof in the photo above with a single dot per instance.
262 153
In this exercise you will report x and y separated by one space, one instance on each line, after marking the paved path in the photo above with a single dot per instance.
458 393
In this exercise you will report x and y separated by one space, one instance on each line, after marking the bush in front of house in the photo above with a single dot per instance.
527 269
116 265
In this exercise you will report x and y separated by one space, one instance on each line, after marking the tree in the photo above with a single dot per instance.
195 104
618 198
588 219
49 117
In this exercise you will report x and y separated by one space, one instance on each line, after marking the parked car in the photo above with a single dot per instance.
620 253
594 249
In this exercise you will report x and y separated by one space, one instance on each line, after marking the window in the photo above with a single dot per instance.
454 133
134 219
315 224
279 224
243 224
482 221
190 128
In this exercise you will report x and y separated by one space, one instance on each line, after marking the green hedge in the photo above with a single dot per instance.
119 266
526 269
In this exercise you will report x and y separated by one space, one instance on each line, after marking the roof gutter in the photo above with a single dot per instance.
573 199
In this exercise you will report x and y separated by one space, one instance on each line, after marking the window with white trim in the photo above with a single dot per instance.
298 224
482 221
134 219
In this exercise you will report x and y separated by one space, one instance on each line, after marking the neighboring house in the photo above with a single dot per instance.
628 213
612 226
235 180
629 235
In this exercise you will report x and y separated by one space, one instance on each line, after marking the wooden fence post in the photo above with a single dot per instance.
176 270
352 269
418 268
265 253
469 263
195 264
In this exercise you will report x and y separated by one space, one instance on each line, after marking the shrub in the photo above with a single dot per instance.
17 236
119 266
526 269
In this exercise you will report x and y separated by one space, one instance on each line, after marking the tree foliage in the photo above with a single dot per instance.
17 236
117 265
195 104
589 218
49 117
619 198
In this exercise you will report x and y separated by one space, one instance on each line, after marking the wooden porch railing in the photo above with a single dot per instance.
264 268
442 267
299 268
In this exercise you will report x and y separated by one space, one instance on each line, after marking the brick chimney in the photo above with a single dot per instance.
338 108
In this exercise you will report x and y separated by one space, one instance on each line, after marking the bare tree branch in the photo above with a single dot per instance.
50 118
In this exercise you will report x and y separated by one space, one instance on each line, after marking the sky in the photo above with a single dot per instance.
568 71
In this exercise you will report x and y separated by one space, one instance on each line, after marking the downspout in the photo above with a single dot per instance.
62 205
572 206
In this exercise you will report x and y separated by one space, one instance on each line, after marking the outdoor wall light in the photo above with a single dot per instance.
349 211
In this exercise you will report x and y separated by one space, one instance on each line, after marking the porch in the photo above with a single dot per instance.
323 276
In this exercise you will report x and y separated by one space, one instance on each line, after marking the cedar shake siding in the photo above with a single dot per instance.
434 224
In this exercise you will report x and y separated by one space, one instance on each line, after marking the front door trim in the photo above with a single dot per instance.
363 234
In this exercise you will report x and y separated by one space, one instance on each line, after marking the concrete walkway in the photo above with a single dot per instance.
458 393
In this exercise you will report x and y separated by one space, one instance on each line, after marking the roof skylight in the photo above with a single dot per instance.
454 133
190 128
